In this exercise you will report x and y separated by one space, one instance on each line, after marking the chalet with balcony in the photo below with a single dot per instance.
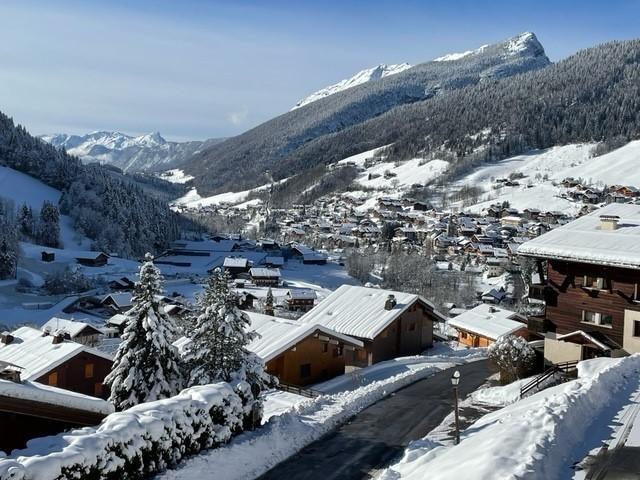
588 275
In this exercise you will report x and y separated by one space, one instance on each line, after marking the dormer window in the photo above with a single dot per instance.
595 283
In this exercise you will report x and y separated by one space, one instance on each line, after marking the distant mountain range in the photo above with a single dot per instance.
286 145
359 78
148 153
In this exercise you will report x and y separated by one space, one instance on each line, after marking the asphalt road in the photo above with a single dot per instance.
376 436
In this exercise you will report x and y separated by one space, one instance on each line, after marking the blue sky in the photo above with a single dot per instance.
199 69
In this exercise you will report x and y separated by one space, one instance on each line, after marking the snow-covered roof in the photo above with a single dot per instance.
276 335
583 240
37 354
586 336
119 299
235 262
488 321
302 294
37 392
118 319
359 311
265 272
279 334
72 327
272 260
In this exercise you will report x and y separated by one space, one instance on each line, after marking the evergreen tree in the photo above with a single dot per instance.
26 221
268 303
218 349
49 225
146 364
8 241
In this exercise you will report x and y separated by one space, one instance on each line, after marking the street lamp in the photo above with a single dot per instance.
455 380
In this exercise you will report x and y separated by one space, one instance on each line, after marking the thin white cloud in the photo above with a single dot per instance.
238 117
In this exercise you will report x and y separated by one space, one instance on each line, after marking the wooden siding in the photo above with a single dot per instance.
71 375
323 365
566 297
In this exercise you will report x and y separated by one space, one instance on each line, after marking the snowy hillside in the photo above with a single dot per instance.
22 189
149 152
543 170
359 78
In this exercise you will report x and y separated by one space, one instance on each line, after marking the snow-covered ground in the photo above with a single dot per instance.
543 168
176 175
539 437
406 173
252 453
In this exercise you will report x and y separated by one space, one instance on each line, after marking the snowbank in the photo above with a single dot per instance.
536 438
142 440
253 453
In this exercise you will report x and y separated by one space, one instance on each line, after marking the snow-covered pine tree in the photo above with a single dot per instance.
146 364
221 334
26 221
218 349
513 355
268 303
49 225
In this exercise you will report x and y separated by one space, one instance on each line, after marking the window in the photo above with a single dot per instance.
337 352
88 370
636 328
412 327
597 318
636 293
305 370
52 379
325 347
596 283
463 334
98 389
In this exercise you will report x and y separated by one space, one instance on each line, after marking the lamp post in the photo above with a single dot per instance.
455 380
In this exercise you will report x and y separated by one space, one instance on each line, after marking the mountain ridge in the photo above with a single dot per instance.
146 153
275 143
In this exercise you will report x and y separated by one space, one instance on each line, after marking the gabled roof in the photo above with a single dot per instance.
36 353
235 262
301 294
72 327
278 335
582 240
265 272
359 311
488 321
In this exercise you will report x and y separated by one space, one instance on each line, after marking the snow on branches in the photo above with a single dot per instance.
146 366
513 356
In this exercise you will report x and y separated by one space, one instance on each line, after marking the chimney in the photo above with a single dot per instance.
390 302
6 338
609 222
10 374
58 338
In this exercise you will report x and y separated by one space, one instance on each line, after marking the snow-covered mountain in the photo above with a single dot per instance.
359 78
149 152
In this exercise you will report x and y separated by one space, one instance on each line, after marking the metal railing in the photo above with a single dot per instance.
563 367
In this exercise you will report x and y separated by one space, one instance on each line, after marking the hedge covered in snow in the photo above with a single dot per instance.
144 439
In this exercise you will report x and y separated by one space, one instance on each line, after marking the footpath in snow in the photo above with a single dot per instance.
539 437
287 431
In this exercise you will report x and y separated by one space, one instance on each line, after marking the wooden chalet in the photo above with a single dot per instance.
30 410
389 324
92 259
265 277
80 332
301 299
55 360
588 274
483 325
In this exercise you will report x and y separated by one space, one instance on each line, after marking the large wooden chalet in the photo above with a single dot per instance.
54 360
588 275
389 324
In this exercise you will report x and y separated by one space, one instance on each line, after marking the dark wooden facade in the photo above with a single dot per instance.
314 359
22 420
83 373
409 334
566 297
